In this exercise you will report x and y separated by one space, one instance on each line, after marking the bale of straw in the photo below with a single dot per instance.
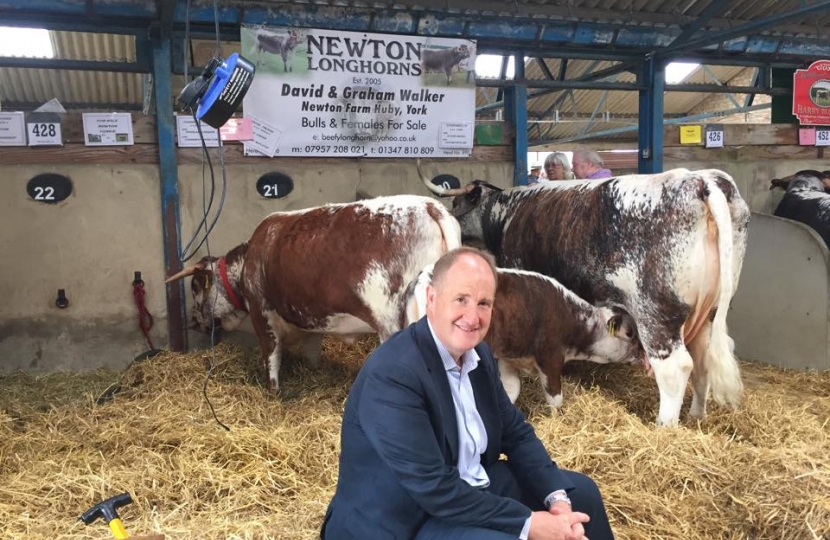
760 472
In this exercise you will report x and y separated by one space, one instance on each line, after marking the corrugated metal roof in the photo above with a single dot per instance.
88 46
34 86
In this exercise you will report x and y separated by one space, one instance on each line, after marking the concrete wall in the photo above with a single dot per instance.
89 245
781 312
315 184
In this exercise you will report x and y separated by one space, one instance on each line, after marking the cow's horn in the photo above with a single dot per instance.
189 271
438 190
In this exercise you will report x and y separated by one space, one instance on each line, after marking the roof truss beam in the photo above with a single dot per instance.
76 65
544 67
628 129
592 76
495 27
730 95
747 29
715 8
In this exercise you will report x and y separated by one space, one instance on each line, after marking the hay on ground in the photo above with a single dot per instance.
761 472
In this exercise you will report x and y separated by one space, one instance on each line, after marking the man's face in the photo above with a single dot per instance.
582 168
461 304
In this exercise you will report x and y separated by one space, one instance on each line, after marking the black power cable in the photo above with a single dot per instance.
188 252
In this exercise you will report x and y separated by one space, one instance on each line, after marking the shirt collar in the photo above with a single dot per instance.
469 360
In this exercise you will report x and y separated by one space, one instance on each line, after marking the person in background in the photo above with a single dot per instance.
588 165
426 422
535 173
557 167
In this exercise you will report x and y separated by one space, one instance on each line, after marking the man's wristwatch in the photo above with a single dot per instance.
557 496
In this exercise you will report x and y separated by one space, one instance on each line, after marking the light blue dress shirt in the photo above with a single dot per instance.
472 436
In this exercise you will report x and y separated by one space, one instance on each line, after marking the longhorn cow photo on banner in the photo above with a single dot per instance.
355 94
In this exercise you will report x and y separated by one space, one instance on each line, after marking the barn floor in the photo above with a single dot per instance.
762 472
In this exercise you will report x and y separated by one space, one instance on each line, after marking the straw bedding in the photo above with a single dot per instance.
762 472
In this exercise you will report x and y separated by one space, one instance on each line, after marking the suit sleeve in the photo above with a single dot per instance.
394 414
527 457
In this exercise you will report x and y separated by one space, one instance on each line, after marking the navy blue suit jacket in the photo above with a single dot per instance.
399 447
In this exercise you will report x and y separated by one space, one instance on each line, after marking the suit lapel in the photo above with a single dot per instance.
435 366
486 405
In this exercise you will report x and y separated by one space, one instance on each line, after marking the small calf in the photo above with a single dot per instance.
538 324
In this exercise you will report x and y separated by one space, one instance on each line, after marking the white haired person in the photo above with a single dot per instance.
557 167
588 165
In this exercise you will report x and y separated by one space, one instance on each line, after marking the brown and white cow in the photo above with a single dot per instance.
667 247
444 60
335 269
538 325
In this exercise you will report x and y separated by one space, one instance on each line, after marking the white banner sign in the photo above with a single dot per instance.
108 129
332 93
12 129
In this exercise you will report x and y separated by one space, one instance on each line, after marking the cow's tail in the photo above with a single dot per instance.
416 302
720 362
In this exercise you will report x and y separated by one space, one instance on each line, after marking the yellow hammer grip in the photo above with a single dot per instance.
118 529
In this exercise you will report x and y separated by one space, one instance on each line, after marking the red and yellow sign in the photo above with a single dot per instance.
811 94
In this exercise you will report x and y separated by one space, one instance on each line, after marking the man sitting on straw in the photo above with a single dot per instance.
426 422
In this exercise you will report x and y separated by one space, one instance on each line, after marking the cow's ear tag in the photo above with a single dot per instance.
207 282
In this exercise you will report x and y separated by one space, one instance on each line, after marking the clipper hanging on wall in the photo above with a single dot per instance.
218 91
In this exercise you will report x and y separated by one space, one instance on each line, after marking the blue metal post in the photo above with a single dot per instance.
518 116
171 225
653 77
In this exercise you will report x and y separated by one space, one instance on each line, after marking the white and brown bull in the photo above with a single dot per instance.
335 269
538 325
667 247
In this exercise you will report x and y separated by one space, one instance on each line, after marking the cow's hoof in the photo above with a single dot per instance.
670 422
